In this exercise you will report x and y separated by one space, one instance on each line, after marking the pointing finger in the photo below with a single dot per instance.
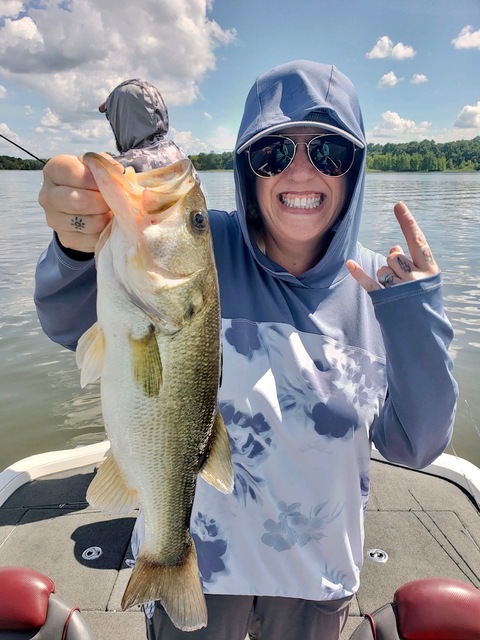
418 246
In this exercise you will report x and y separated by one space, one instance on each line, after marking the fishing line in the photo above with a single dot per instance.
475 425
17 145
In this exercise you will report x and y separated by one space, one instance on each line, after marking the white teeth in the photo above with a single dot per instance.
302 202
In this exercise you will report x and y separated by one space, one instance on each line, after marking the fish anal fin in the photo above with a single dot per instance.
109 491
90 354
147 363
217 469
178 587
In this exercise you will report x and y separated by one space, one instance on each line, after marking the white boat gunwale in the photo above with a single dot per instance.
449 467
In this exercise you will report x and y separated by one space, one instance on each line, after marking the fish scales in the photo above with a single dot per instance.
156 349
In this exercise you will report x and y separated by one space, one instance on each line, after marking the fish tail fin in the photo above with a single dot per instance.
109 491
178 588
217 469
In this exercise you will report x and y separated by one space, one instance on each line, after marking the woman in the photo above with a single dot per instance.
316 363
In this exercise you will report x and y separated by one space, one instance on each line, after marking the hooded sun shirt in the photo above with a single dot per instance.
314 369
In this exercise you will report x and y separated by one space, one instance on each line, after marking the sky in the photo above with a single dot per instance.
415 65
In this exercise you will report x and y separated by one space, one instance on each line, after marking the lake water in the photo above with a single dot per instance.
42 406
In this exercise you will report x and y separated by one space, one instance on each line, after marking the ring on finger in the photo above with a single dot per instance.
387 279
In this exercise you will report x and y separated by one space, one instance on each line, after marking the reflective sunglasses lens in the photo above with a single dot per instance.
331 155
271 155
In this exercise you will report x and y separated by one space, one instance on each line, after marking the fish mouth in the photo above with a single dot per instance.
311 201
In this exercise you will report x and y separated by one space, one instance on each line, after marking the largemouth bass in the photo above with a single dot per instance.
156 349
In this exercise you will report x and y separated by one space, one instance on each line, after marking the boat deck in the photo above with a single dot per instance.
427 526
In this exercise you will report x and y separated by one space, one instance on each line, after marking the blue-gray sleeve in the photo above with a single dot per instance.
416 422
65 295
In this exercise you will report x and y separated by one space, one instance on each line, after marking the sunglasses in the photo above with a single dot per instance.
329 153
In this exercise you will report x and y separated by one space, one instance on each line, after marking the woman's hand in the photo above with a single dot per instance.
399 268
72 203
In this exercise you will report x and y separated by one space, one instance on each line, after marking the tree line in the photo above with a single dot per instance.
427 155
9 163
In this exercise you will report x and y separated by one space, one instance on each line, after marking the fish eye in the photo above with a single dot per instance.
199 220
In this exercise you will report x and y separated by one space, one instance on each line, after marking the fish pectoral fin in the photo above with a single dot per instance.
217 469
147 364
177 586
110 492
90 354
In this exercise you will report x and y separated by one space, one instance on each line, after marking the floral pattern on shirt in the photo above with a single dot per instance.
244 337
211 547
250 442
295 528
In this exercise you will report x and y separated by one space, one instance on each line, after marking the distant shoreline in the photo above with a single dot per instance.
426 156
462 171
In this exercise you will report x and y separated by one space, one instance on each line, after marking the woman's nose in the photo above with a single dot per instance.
301 167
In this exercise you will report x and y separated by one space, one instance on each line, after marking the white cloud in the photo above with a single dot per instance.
187 142
402 51
5 131
394 126
20 36
469 117
467 39
8 133
389 80
28 110
223 140
170 43
208 116
3 92
384 48
10 8
419 78
51 121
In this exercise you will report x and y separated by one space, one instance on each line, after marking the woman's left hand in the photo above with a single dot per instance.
399 268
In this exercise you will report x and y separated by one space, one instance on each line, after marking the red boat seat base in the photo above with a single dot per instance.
30 609
426 609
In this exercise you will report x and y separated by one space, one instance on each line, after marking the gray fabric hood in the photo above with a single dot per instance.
291 93
137 114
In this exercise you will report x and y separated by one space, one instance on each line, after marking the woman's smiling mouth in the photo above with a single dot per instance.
301 202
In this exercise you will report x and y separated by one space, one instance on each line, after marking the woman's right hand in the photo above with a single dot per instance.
72 203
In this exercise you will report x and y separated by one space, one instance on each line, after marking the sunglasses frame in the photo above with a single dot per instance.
307 144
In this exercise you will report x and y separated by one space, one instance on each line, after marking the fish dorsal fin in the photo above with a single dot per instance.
109 490
90 354
147 364
217 469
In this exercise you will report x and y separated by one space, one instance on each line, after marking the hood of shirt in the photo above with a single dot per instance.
137 114
293 92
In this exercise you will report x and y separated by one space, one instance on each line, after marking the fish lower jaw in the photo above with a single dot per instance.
302 202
